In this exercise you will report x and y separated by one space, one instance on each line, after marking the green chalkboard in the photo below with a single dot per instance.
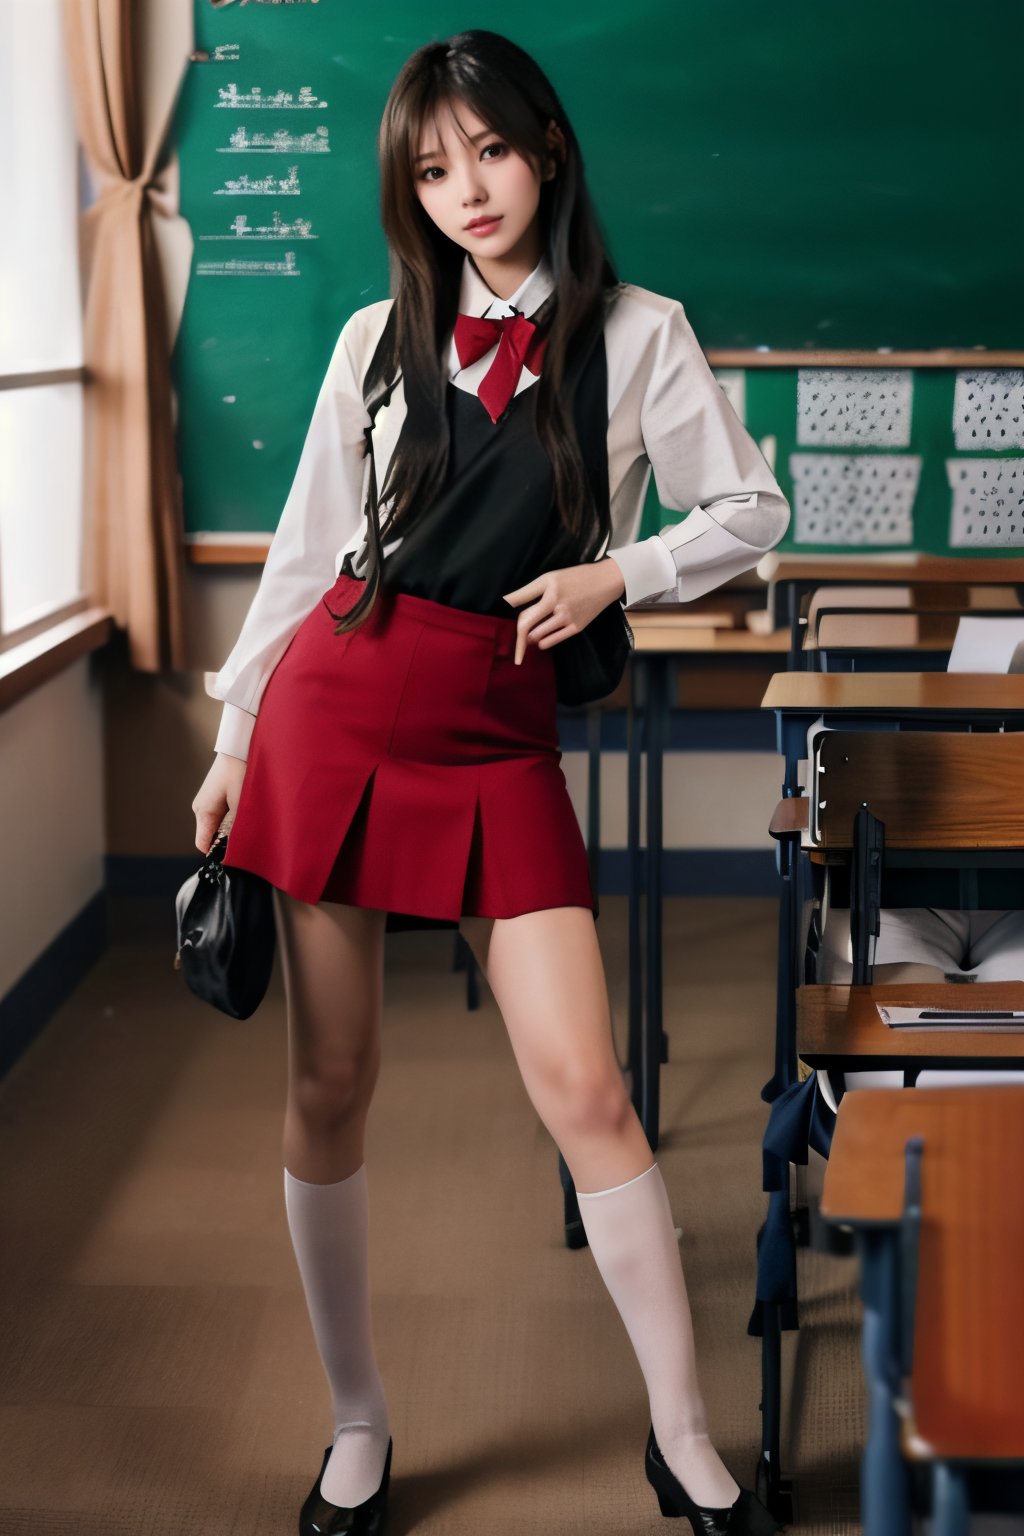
801 175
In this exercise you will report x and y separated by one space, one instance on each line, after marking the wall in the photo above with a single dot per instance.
51 816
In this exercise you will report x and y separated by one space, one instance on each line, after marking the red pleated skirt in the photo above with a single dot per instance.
411 766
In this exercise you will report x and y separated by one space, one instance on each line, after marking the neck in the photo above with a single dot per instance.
504 274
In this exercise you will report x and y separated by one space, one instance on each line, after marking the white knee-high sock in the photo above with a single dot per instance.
633 1239
329 1226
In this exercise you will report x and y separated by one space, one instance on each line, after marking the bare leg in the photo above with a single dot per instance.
333 970
547 975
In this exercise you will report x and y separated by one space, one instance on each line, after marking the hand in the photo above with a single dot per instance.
215 803
566 601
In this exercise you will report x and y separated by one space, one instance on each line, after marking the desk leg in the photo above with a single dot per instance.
950 1504
654 1043
796 660
787 970
634 723
884 1483
791 742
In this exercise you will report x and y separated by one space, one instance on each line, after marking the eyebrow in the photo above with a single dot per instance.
436 154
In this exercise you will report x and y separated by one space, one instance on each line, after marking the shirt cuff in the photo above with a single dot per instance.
647 568
236 727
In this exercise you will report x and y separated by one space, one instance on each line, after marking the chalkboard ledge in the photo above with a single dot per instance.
227 548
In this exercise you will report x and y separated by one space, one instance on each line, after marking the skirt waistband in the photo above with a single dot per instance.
500 631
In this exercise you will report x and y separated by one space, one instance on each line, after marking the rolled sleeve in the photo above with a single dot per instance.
236 726
705 464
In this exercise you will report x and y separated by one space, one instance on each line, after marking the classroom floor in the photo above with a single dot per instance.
158 1375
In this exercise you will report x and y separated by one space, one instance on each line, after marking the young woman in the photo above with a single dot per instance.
388 753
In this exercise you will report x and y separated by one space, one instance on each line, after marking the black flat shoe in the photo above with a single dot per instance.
746 1517
318 1518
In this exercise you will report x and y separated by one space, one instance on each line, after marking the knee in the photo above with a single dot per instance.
332 1092
591 1101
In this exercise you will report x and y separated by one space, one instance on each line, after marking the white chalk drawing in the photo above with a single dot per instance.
239 267
280 142
854 498
277 229
231 97
988 502
262 186
225 53
853 407
988 409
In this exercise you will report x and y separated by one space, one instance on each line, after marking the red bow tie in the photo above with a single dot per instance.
518 344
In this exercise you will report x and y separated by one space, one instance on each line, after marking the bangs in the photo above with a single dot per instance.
497 104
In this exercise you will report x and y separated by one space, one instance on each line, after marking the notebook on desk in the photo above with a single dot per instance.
999 1021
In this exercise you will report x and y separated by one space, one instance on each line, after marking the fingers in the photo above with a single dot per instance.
206 830
552 626
557 637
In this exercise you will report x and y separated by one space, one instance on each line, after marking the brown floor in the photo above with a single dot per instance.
159 1376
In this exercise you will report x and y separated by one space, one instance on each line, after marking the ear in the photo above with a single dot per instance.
555 140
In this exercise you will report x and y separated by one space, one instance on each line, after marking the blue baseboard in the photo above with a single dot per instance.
686 872
698 872
149 875
51 979
688 730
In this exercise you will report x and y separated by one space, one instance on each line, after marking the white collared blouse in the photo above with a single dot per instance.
666 411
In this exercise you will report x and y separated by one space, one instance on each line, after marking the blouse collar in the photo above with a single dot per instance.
477 298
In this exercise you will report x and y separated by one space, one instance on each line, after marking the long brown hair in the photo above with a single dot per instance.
509 91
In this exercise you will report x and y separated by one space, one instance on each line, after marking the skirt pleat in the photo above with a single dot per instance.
411 766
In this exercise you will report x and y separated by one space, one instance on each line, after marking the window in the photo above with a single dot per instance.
41 373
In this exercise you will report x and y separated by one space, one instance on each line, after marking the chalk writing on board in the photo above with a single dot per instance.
277 229
239 267
988 502
853 407
231 97
280 142
225 53
854 498
988 408
262 186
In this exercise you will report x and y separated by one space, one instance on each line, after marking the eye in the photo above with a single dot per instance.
495 144
426 176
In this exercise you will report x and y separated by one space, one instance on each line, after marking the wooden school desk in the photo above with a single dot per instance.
791 577
839 1027
887 701
868 701
908 639
964 1403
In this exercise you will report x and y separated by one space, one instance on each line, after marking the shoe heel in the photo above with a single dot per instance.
668 1508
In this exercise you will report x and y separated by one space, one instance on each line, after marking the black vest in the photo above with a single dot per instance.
494 527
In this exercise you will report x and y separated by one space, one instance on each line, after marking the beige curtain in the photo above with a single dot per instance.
134 533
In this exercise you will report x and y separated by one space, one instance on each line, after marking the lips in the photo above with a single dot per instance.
483 226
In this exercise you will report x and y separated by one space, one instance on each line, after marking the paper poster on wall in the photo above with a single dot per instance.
988 502
854 498
853 407
988 409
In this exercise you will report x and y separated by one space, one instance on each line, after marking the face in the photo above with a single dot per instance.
461 184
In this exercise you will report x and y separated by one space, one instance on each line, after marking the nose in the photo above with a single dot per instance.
472 188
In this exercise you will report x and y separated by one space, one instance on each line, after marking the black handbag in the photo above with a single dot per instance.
226 934
590 665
